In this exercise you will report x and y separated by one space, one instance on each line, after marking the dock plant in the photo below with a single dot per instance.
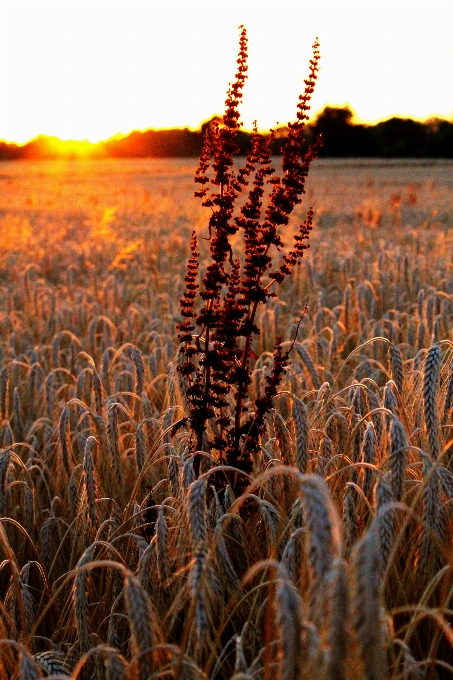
252 201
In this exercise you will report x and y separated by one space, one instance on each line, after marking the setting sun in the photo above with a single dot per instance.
80 70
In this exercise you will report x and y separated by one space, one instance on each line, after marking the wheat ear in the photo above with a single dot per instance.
434 529
64 440
4 464
324 542
390 400
28 668
376 417
173 468
97 388
79 596
324 455
196 498
338 616
90 480
398 458
292 554
430 388
396 367
302 429
4 390
53 664
224 559
140 447
385 519
142 626
163 567
116 667
350 520
137 360
114 445
290 619
29 507
367 606
306 358
198 590
283 439
368 456
448 403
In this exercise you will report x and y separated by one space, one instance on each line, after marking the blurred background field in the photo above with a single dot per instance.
116 233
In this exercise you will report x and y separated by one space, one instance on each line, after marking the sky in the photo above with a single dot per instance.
91 69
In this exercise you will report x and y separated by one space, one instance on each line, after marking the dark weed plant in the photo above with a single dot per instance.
220 312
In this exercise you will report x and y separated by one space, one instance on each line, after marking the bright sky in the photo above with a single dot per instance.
90 69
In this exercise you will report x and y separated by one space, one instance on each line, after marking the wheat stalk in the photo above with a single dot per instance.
240 663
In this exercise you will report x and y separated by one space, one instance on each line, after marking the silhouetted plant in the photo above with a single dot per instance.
220 313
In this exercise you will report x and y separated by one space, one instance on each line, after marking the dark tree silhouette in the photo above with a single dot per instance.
393 138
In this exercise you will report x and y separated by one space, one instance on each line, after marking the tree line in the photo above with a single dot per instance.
392 138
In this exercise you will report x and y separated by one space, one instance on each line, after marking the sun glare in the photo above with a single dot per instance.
81 148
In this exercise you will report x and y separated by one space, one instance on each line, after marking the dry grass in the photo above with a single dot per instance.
337 560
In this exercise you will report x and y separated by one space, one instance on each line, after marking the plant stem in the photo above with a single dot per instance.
240 392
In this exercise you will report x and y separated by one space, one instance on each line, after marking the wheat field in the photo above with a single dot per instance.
116 559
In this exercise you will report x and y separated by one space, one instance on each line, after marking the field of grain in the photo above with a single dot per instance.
337 561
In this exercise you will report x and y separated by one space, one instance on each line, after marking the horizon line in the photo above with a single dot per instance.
119 135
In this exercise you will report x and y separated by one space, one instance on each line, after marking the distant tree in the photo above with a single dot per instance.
401 138
9 152
335 125
440 138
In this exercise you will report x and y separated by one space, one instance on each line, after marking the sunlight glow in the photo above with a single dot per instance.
81 70
77 148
